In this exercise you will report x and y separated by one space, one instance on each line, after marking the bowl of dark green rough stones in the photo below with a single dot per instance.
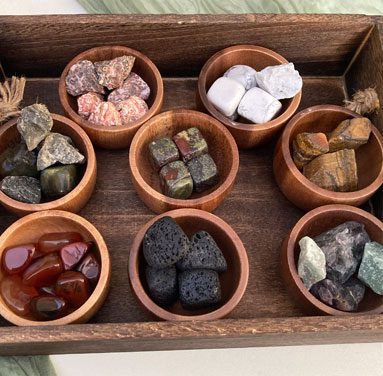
313 224
76 199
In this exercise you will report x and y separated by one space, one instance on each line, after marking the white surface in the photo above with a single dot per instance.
337 360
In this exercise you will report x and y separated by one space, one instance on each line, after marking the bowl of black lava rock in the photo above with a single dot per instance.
188 264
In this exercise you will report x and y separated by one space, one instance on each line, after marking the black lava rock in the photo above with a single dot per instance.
165 243
162 284
204 254
199 288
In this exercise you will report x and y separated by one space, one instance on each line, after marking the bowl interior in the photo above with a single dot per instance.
324 221
257 59
326 121
229 279
219 147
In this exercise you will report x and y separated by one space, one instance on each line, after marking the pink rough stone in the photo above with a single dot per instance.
82 79
87 104
105 114
133 85
112 73
132 109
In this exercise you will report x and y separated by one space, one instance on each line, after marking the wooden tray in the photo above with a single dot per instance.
335 53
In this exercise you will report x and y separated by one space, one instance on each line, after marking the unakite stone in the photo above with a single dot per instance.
58 148
34 124
18 161
203 171
343 247
162 285
163 151
176 181
311 263
371 268
57 181
22 188
190 143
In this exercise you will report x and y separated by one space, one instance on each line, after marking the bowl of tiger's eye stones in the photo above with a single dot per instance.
110 91
327 155
46 162
55 270
183 158
188 264
332 261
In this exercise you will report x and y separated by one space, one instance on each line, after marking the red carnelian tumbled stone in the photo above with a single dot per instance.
48 307
47 290
43 271
90 267
54 241
16 295
71 254
73 287
16 259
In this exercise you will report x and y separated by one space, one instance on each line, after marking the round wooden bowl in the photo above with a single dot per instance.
233 281
222 149
312 224
116 137
246 135
28 230
75 200
307 195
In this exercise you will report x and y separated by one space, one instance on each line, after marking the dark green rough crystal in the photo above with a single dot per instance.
190 143
18 161
163 151
22 188
203 171
58 181
176 181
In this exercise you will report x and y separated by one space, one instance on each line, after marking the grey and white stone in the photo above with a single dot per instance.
225 95
22 188
281 81
34 124
258 106
371 267
243 74
311 262
58 148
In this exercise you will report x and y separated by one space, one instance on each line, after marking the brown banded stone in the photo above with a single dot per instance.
307 146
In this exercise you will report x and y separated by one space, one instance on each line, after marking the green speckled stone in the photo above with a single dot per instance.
18 161
203 172
162 152
58 181
176 181
190 143
371 267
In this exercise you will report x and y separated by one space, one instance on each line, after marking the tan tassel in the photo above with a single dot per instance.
364 102
11 94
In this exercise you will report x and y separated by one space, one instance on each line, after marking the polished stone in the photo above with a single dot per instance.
190 143
54 241
57 181
71 254
162 152
17 258
176 181
204 172
73 287
47 308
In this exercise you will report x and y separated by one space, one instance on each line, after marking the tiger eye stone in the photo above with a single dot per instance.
91 268
48 307
71 254
16 259
44 271
16 295
73 287
54 241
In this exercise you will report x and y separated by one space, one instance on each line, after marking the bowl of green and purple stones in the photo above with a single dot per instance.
332 261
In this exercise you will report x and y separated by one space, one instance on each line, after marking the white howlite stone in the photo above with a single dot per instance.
258 106
225 95
243 74
281 81
311 263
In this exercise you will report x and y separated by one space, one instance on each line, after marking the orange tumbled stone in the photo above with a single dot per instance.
73 287
17 259
71 254
54 241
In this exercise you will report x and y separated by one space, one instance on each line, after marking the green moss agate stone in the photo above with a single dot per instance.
176 181
58 181
18 161
190 143
203 171
22 188
371 267
162 152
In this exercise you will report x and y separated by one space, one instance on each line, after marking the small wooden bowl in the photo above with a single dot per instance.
312 224
222 148
246 135
28 230
307 195
116 137
233 281
75 200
